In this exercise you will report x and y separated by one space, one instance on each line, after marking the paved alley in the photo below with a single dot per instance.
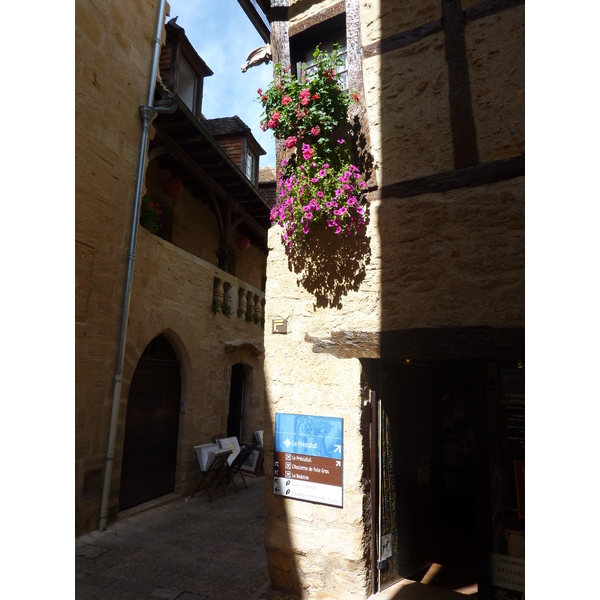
189 549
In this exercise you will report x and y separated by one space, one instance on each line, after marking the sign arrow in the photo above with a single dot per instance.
338 463
337 448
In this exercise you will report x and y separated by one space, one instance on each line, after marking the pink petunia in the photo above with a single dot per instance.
291 141
286 100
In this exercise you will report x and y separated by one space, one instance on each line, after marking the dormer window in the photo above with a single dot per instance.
188 85
251 167
182 70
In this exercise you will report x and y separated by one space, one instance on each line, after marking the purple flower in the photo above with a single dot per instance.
305 229
326 166
339 192
351 201
340 141
314 179
338 230
320 194
308 216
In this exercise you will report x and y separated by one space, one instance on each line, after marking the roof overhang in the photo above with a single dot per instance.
184 146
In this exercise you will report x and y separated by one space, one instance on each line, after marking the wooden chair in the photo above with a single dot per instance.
235 467
212 473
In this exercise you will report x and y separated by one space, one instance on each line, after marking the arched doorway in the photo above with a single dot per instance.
240 402
151 426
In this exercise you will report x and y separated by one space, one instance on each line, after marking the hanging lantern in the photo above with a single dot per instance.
242 242
173 187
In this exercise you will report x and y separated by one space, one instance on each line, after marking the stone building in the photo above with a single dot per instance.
413 334
157 371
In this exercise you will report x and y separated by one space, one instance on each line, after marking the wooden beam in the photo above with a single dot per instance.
238 210
189 163
216 207
491 7
402 39
484 173
443 343
157 152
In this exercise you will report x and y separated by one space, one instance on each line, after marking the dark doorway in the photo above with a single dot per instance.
236 401
431 418
151 427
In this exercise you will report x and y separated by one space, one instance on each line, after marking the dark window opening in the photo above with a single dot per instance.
327 34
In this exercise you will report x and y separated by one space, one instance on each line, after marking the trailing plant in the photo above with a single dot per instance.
318 182
226 309
215 307
249 317
229 252
240 312
150 215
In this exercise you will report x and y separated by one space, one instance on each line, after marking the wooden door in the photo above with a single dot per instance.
404 455
151 428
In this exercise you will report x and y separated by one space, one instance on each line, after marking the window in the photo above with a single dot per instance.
188 84
327 47
327 33
251 167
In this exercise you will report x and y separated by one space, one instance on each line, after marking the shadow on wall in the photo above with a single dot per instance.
330 266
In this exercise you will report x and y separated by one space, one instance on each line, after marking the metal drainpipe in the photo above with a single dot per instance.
147 113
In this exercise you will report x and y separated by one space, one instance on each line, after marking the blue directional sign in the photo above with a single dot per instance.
308 458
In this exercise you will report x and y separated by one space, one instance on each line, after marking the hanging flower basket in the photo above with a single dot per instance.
150 215
227 254
319 182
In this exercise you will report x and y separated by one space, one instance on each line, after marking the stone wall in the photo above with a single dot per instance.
172 294
172 287
112 69
194 228
431 259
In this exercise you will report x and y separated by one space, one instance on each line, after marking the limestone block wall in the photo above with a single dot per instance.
194 228
302 538
172 294
496 53
452 257
113 43
407 106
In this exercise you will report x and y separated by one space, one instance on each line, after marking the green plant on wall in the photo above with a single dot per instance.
150 215
228 252
215 307
226 309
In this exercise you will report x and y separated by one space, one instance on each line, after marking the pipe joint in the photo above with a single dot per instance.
147 114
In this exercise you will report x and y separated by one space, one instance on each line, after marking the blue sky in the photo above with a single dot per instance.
223 36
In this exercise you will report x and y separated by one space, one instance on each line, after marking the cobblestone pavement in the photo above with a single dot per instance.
190 549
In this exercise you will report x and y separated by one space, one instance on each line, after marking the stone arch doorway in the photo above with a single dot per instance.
240 402
151 426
